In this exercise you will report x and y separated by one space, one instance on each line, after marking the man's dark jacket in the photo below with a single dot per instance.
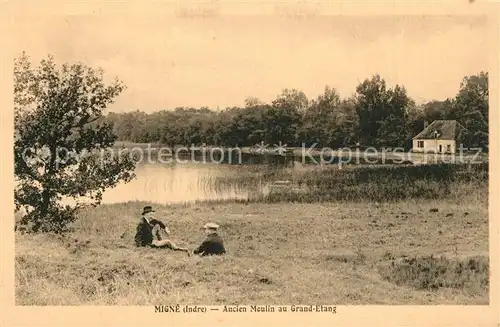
213 244
144 232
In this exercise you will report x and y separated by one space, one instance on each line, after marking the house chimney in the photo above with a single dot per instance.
426 123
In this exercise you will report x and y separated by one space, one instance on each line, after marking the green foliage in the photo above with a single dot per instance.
60 139
438 110
329 121
375 116
382 113
471 109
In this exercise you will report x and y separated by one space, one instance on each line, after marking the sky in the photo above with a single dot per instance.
168 62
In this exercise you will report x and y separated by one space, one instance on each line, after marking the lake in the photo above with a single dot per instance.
222 177
187 182
201 178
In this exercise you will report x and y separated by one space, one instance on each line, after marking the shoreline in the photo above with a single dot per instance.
417 233
247 202
312 153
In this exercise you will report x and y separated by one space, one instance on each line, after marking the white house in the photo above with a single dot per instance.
439 137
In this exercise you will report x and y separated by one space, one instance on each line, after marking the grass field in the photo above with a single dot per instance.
278 253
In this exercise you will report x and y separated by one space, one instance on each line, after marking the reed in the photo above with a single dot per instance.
382 184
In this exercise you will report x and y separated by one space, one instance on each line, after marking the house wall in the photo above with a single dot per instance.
433 145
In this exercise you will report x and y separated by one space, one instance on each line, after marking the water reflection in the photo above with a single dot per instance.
175 183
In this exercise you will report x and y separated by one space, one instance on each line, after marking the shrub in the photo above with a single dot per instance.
430 273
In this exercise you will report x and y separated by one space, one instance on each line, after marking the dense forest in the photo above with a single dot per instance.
375 115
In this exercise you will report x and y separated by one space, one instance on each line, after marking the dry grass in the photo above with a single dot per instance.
277 254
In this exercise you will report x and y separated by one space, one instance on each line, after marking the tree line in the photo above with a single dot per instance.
60 128
375 115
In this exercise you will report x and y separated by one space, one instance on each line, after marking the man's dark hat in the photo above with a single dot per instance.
147 209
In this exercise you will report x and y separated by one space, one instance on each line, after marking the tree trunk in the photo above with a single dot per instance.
44 209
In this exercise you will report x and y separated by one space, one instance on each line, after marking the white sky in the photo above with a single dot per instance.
168 62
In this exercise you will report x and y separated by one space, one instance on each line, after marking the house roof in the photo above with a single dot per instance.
446 129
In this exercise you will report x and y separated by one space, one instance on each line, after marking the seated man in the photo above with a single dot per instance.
213 243
154 233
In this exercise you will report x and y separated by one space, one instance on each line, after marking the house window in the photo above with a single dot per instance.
440 148
420 144
448 148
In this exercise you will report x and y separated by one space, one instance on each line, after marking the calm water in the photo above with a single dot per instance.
186 182
172 182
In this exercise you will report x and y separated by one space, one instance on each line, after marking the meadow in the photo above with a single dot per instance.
387 235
